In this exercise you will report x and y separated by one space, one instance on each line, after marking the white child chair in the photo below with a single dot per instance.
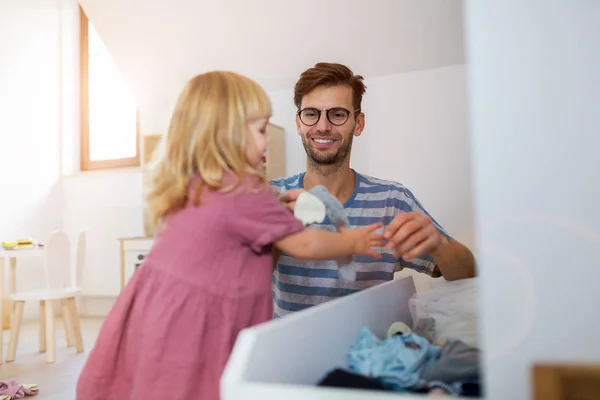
59 286
76 282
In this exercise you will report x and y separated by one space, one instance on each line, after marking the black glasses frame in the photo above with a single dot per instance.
320 111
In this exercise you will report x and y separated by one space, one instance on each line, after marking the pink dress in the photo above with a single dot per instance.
207 276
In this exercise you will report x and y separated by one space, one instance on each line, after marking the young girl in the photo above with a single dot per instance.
209 272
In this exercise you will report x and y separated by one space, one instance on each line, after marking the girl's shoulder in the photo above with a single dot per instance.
232 186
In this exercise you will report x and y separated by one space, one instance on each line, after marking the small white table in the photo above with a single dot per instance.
10 257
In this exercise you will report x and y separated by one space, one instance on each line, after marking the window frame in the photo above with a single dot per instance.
85 163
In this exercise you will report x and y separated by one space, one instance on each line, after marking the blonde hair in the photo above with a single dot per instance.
207 136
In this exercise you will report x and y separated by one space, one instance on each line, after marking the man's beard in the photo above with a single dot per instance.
320 159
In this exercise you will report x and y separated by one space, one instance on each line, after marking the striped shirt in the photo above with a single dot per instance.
299 284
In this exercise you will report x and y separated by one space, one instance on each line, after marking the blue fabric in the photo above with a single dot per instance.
334 209
397 362
337 216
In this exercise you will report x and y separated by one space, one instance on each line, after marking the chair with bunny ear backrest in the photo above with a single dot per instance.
58 286
76 282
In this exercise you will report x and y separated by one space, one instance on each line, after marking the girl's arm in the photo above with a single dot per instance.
312 244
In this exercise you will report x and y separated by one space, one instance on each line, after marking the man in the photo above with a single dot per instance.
328 98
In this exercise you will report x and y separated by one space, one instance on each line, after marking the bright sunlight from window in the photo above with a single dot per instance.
112 108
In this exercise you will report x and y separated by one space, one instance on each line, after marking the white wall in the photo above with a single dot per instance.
385 37
416 133
31 114
106 205
535 97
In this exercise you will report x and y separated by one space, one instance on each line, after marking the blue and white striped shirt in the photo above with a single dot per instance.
299 284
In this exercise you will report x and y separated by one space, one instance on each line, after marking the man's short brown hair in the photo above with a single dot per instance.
329 74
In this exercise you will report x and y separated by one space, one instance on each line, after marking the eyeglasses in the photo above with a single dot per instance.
337 115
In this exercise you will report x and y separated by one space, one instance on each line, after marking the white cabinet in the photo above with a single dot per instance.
133 253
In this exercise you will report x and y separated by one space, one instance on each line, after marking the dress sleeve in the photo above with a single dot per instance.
259 220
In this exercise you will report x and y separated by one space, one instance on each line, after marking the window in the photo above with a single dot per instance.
109 116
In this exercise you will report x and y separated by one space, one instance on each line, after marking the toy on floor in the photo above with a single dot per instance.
10 389
312 207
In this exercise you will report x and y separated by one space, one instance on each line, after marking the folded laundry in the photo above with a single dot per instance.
426 327
342 378
397 361
457 362
409 362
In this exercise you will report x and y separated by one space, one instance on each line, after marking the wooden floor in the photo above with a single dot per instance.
56 381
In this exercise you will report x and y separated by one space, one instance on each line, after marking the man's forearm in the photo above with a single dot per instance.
454 260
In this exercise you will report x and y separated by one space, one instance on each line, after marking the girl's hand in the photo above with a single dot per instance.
364 240
288 199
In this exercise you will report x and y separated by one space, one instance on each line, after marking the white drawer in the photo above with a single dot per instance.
264 366
133 260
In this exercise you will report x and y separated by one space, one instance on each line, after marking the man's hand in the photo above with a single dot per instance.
288 199
413 234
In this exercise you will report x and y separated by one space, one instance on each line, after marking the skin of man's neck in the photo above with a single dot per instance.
338 179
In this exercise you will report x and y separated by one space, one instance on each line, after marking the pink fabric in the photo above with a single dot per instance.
15 389
207 277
